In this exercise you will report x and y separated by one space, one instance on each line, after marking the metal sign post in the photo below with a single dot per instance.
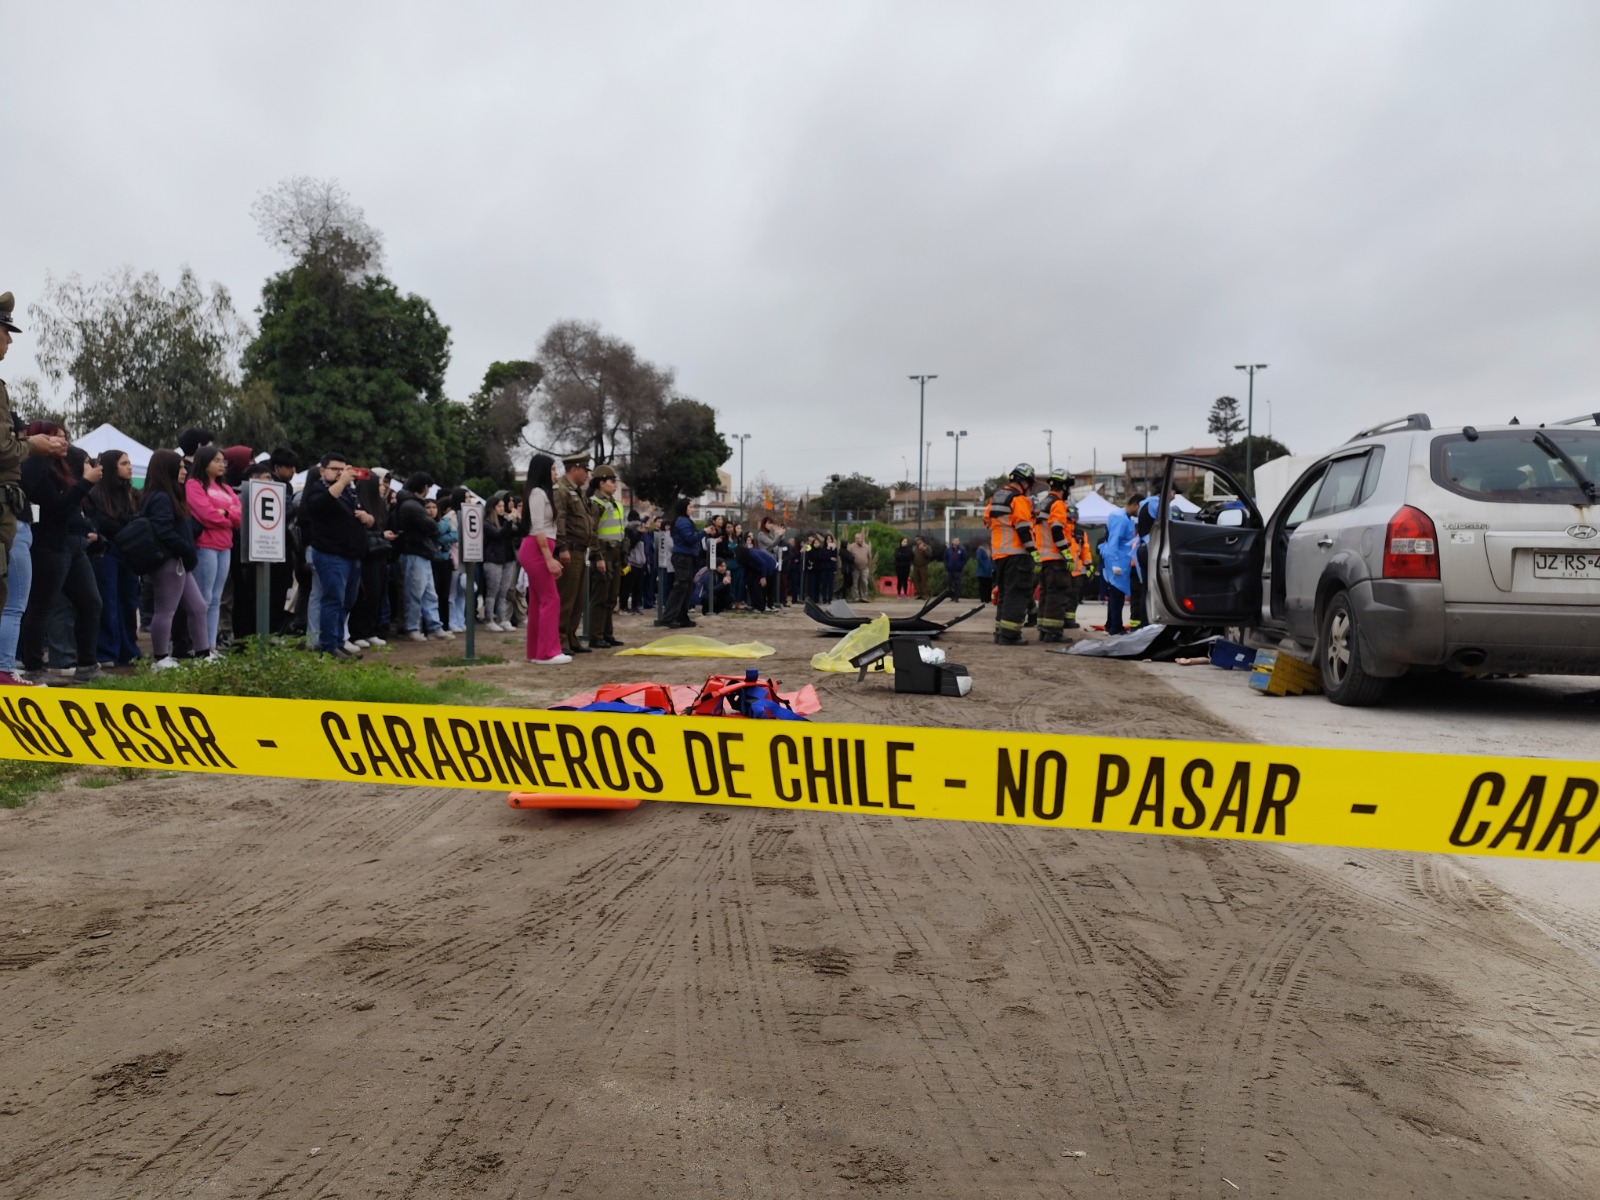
471 556
663 556
711 578
266 541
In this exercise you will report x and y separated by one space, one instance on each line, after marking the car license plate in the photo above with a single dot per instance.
1564 565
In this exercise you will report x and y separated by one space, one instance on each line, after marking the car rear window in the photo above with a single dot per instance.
1507 467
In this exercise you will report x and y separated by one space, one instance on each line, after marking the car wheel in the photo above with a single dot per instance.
1344 678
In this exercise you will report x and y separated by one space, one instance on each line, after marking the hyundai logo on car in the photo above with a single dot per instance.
1582 532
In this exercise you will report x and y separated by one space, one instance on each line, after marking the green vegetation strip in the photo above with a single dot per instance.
295 675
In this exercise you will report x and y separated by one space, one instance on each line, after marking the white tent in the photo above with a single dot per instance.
1095 509
109 437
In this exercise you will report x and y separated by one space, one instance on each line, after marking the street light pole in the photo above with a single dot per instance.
1249 423
957 434
922 409
742 438
1147 430
1049 451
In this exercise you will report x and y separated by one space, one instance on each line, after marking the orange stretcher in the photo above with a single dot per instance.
563 800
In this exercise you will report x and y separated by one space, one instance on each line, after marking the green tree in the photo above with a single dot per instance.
1225 423
357 367
1231 458
597 394
677 454
857 494
151 360
253 418
493 420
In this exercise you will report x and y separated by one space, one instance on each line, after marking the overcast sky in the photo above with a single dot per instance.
1079 216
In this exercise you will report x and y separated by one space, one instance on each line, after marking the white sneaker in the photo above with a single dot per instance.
495 626
442 635
416 635
353 647
214 656
164 664
373 642
551 662
359 644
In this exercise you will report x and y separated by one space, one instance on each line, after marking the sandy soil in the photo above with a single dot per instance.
251 989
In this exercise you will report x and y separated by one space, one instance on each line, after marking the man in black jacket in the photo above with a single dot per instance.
418 538
338 530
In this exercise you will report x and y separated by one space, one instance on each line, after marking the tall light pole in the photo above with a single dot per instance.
922 409
957 434
1147 430
1049 451
741 438
1249 422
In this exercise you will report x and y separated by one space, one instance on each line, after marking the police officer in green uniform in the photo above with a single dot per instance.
574 540
13 449
610 527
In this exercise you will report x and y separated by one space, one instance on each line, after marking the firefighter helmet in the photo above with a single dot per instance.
1059 481
1022 473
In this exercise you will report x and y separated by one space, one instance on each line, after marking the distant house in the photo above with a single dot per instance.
1141 474
719 500
903 502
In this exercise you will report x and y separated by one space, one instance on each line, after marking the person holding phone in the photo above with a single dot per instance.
338 529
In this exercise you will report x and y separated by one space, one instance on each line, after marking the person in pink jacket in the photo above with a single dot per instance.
216 506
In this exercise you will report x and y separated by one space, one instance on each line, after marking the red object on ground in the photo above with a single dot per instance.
887 585
562 800
805 701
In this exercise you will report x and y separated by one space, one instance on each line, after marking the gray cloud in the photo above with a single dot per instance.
1079 217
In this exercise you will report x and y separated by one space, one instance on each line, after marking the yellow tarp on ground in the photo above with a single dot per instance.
837 657
688 645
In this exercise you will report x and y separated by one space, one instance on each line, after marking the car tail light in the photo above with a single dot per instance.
1411 548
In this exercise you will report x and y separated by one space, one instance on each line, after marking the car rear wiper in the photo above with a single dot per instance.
1548 444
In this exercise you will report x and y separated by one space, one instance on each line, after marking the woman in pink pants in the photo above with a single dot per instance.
538 559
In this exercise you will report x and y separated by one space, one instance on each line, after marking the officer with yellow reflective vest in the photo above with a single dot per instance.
1009 516
1056 550
611 528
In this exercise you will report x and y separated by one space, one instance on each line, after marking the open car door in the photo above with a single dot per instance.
1206 566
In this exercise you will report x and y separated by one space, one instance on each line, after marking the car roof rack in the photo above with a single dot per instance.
1414 421
1586 419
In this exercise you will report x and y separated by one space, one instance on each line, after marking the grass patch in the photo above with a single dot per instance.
297 675
478 661
22 778
98 781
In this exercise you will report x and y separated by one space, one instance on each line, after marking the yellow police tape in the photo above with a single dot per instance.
1515 807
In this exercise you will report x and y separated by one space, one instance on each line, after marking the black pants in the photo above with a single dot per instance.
677 606
1015 572
61 573
367 614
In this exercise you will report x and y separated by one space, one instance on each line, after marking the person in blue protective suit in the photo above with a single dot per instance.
1116 553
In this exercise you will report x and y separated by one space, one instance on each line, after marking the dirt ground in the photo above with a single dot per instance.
249 988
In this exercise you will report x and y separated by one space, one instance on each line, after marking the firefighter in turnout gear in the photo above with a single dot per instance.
1082 567
1056 552
1009 516
610 527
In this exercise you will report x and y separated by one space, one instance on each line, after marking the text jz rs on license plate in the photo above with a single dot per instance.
1564 565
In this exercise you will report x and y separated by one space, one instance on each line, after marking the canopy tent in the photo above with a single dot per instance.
1095 509
109 437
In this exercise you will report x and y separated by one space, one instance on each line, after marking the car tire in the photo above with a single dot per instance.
1344 676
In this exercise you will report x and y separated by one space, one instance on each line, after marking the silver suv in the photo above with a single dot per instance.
1475 550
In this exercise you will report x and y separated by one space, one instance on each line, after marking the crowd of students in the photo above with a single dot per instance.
371 558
